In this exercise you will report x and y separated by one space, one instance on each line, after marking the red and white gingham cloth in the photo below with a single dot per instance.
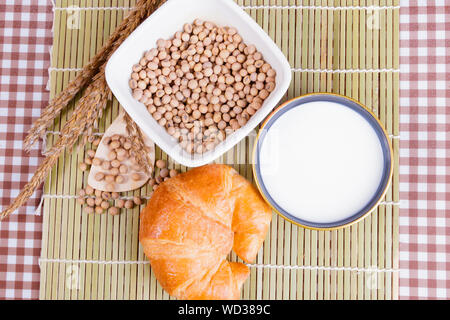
425 149
25 39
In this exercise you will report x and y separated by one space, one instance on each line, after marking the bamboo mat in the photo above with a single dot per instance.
340 46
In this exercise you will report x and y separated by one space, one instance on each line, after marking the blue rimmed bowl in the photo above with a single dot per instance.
374 123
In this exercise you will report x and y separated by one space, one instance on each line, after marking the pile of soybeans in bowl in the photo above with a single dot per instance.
203 84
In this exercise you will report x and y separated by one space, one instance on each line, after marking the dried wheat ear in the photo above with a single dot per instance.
83 121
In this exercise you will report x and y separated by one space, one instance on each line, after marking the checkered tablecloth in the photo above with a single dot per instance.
425 149
25 40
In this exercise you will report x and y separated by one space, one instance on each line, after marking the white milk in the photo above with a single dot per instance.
321 162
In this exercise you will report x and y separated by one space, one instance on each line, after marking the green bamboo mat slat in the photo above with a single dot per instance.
293 263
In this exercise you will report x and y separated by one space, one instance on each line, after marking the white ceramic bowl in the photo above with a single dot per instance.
163 23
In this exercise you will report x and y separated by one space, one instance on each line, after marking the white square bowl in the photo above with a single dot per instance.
163 23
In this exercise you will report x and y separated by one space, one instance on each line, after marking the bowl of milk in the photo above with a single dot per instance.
323 161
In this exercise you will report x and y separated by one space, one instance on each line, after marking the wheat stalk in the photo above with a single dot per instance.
95 98
135 17
138 148
88 109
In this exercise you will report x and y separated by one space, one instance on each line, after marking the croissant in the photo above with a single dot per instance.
191 224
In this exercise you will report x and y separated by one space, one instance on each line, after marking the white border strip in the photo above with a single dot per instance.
45 260
321 268
64 69
293 7
293 69
58 133
258 266
321 7
76 8
101 134
347 70
69 197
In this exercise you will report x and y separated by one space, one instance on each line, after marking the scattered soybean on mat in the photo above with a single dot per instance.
348 47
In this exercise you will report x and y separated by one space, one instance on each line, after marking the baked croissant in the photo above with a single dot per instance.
191 224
